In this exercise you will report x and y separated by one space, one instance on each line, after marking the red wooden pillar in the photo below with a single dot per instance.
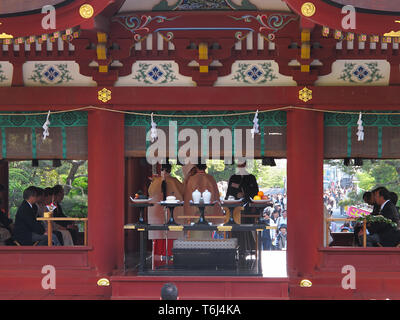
4 180
106 189
305 131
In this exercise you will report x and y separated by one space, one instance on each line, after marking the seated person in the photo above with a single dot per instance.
64 227
27 229
382 233
202 181
41 203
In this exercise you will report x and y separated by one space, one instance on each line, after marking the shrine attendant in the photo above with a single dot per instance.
243 185
159 189
202 182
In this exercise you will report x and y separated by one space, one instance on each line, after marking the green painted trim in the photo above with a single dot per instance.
273 119
3 143
64 142
379 142
34 148
262 152
369 120
66 119
348 141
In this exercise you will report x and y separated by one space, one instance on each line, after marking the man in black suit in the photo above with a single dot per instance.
27 229
387 208
383 233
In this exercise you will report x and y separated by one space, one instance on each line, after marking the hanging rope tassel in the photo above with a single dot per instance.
153 130
255 125
46 127
360 132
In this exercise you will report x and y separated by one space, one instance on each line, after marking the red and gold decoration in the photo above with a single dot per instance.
66 35
308 9
305 94
104 95
86 11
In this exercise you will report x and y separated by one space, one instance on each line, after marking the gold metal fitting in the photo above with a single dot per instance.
308 9
104 95
103 282
305 94
305 283
86 11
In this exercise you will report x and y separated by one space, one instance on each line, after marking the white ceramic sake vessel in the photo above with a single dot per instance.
196 195
207 196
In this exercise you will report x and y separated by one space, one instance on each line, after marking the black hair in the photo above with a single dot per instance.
30 192
201 166
2 188
57 189
169 292
379 189
39 192
48 192
393 197
167 167
367 196
383 192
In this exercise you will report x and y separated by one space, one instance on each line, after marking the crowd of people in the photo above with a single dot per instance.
275 239
333 196
26 230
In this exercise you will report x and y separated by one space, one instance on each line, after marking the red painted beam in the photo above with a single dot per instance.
199 98
331 16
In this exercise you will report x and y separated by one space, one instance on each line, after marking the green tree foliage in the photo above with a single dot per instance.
372 174
23 175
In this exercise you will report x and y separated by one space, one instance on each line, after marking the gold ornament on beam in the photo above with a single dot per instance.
104 95
103 282
308 9
393 33
305 283
86 11
5 36
305 94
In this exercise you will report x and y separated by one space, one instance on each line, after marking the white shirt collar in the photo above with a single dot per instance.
242 171
29 203
384 204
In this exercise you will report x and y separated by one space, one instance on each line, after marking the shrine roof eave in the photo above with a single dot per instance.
329 14
67 16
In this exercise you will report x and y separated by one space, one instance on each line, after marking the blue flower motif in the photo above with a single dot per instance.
254 73
361 73
51 74
155 73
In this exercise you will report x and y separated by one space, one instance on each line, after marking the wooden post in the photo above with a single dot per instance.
85 231
305 163
49 233
106 196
